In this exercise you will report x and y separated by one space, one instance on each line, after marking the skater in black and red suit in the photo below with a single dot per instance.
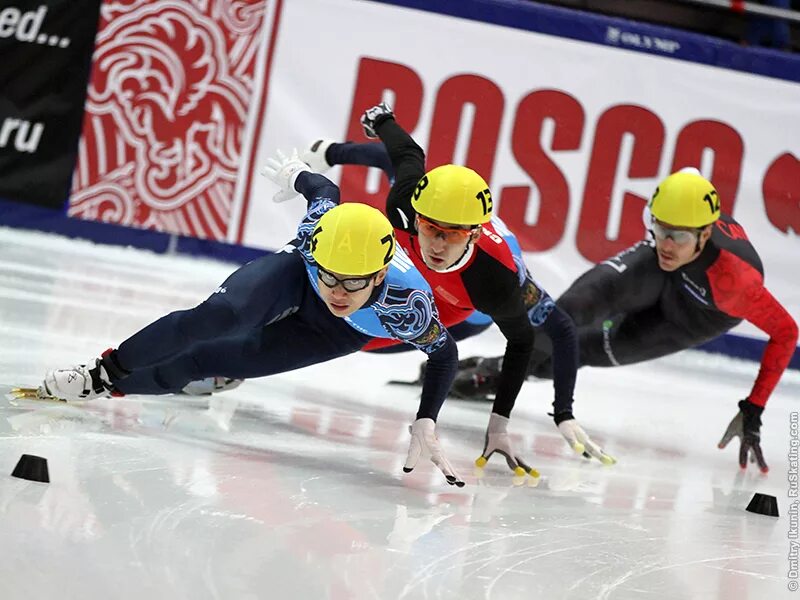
697 278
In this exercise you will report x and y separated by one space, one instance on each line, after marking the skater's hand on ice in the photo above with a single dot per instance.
579 440
498 440
424 443
746 425
283 170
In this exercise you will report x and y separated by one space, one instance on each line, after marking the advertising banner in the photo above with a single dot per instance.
46 46
168 113
573 137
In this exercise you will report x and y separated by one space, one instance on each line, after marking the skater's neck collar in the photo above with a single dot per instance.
461 261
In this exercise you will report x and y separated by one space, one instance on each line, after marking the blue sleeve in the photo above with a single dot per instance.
442 366
410 316
322 195
368 155
316 188
563 333
439 374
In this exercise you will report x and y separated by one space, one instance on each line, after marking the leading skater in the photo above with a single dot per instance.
444 221
339 284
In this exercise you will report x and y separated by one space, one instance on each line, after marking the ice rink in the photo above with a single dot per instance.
292 487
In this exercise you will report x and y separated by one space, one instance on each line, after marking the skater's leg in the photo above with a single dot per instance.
369 154
296 341
637 337
264 290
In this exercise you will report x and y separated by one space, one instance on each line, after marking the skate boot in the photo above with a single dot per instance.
83 382
210 385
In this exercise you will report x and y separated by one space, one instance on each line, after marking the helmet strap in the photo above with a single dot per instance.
467 248
460 258
698 248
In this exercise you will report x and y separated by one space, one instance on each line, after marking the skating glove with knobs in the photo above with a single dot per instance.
283 170
424 443
579 440
746 425
498 440
373 117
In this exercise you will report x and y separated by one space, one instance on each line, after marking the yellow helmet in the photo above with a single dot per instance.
455 195
353 239
685 199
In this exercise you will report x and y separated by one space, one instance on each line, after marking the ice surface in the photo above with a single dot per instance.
292 487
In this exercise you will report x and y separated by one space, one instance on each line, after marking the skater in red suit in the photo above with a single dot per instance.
444 221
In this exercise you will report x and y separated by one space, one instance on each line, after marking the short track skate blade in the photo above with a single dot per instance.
22 393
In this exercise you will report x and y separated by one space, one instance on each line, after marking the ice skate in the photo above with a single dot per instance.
210 385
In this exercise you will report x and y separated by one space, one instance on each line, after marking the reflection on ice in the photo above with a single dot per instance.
292 486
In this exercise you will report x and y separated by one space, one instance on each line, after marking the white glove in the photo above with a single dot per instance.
498 440
580 442
424 442
314 157
283 171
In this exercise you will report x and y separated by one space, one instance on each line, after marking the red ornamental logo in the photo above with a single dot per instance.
165 116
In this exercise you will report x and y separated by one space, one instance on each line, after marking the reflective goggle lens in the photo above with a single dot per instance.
351 284
679 236
450 234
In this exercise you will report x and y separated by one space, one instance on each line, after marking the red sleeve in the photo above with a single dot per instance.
738 290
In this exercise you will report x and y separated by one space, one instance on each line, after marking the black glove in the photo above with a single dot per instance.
373 117
746 425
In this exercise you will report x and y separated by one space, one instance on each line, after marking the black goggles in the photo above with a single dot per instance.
350 284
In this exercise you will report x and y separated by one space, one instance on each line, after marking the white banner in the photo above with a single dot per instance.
573 137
